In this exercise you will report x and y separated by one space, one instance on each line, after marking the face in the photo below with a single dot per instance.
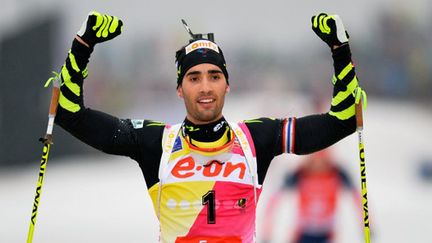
318 163
203 90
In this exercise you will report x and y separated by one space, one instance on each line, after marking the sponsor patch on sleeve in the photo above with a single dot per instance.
137 124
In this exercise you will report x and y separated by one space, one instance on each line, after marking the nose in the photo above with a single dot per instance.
206 86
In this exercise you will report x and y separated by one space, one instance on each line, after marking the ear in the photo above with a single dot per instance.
180 91
228 89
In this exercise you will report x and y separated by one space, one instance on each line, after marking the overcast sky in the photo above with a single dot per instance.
286 24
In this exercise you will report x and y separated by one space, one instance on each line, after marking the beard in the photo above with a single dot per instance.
197 114
206 116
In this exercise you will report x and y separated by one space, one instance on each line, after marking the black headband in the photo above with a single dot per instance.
197 52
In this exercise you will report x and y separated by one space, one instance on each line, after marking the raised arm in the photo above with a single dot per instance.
100 130
313 133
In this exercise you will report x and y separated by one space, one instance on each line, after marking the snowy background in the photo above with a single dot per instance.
278 68
104 198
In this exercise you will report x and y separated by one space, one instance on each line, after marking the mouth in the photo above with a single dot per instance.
205 101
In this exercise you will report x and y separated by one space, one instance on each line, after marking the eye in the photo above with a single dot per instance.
215 76
194 78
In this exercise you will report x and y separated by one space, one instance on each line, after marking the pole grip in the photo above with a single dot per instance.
359 115
55 94
54 101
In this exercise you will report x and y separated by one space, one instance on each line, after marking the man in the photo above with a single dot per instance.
318 182
205 174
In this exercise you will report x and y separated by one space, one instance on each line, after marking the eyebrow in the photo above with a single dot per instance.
193 73
213 71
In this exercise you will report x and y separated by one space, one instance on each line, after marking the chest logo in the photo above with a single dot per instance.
187 167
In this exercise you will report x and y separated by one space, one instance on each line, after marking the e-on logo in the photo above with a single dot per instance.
186 168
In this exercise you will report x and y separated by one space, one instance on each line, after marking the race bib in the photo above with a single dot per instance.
208 239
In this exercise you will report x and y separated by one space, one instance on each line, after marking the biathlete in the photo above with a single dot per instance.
205 174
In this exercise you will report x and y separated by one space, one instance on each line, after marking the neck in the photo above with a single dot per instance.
200 122
201 134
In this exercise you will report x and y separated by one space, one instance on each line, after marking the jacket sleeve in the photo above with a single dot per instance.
316 132
97 129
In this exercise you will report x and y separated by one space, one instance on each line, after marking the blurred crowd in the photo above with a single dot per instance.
394 61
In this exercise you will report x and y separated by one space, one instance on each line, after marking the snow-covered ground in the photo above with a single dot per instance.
104 198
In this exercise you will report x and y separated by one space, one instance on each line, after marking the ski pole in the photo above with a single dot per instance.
359 121
47 141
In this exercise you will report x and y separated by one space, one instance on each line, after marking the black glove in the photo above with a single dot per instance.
330 29
99 28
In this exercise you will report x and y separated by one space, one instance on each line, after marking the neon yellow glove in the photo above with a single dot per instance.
330 29
98 28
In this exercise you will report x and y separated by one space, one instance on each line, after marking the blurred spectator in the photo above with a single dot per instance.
318 182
